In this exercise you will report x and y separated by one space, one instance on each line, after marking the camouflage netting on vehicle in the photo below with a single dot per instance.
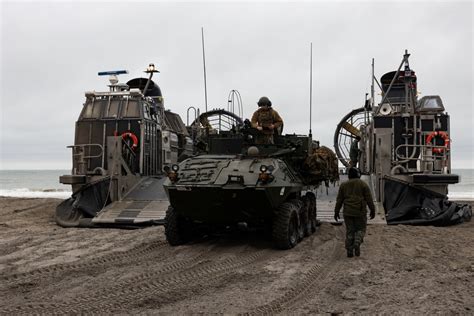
321 166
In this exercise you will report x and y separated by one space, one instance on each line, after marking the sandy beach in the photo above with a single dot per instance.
403 270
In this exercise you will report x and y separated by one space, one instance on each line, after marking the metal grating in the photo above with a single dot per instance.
138 205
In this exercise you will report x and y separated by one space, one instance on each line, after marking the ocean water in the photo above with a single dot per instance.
45 184
34 184
465 188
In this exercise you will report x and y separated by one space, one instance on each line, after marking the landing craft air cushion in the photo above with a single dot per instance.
404 151
123 139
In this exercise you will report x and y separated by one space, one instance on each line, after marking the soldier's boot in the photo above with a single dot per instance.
359 237
350 253
349 244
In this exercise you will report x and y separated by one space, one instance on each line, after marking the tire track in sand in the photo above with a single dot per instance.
313 281
56 270
124 293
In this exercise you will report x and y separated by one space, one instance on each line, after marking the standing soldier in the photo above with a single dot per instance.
355 195
266 120
354 152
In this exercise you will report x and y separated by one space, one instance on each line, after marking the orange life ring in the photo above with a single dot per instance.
132 137
444 136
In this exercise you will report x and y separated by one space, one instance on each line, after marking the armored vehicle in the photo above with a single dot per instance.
237 183
123 139
402 145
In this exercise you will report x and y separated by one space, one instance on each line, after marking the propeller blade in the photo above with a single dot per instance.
351 129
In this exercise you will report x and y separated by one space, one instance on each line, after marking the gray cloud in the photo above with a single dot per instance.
51 53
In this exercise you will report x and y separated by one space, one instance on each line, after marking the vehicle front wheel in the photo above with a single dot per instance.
176 231
286 225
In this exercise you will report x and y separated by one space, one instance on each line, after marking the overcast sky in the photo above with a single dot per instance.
51 53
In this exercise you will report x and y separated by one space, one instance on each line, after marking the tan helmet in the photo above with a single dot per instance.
264 101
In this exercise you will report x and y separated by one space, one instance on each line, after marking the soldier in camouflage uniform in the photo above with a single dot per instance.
354 152
266 120
355 195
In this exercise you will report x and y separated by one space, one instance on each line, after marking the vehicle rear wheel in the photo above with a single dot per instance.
312 211
175 228
305 216
286 225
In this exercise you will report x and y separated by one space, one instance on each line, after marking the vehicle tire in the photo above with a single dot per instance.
312 211
67 215
286 226
175 228
305 216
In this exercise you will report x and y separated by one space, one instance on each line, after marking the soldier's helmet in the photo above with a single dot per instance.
264 101
354 173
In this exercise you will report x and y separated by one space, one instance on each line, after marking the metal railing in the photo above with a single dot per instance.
82 160
428 161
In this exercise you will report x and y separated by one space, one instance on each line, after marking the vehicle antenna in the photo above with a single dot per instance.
372 88
310 87
204 64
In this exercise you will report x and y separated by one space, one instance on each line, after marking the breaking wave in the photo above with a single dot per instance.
64 194
461 195
28 193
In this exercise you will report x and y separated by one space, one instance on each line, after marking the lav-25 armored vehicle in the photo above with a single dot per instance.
123 139
404 151
237 183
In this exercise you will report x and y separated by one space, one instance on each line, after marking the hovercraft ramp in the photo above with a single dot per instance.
146 204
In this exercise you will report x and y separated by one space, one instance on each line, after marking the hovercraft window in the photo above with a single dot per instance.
87 113
97 109
131 109
92 109
430 103
113 109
